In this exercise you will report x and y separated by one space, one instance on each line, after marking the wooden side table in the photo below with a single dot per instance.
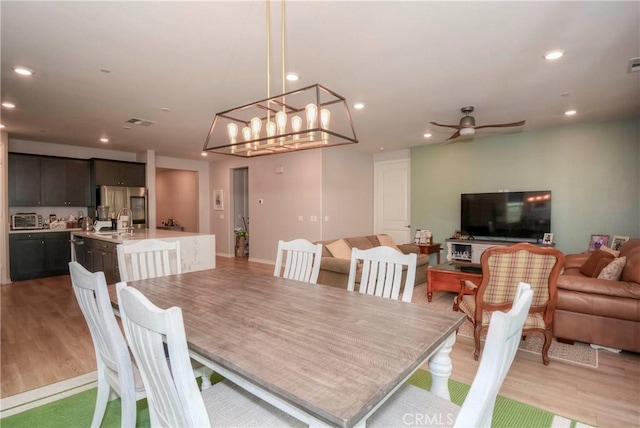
431 249
447 277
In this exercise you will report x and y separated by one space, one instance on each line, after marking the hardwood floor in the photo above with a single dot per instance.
45 339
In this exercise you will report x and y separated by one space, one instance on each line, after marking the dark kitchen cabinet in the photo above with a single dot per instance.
66 182
38 255
24 180
97 255
116 173
47 181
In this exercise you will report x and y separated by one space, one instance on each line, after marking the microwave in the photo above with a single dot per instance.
26 221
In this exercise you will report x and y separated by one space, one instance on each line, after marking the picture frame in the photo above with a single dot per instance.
597 241
218 200
617 241
547 239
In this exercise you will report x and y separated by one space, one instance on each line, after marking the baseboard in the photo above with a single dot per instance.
47 394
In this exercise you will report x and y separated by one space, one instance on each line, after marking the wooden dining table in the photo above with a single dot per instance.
327 356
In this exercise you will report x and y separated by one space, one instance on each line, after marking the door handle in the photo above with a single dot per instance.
408 226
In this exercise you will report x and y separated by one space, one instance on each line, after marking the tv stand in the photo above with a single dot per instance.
468 251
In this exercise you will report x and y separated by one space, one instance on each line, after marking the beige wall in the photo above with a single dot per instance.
177 197
334 182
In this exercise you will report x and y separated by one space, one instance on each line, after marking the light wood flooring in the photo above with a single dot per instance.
45 339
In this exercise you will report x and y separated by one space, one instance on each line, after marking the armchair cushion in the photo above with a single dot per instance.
595 261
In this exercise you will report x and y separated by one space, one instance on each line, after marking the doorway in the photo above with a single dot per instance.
240 210
392 199
177 202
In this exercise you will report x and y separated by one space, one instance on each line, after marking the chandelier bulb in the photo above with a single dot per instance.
325 115
246 135
271 130
296 125
312 115
312 118
256 126
232 130
281 120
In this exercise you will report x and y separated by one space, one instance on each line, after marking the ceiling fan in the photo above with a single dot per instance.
468 124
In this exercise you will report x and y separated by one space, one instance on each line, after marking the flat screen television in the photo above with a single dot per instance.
506 215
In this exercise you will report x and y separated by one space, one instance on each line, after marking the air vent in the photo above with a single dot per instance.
634 65
140 122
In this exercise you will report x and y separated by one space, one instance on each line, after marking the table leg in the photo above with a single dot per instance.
441 367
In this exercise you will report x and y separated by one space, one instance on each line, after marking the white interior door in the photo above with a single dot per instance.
392 199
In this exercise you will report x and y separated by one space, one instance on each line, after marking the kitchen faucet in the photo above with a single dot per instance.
128 223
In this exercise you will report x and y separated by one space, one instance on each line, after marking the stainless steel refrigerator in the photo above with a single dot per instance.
118 197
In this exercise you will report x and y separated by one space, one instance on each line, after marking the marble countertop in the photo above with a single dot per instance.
119 237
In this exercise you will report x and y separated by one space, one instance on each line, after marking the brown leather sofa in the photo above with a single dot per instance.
335 272
599 311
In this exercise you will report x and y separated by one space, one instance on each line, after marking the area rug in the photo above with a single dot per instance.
77 411
578 353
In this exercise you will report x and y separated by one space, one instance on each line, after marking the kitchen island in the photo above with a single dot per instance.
96 251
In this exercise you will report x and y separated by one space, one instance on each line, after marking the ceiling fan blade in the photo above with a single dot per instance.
446 126
501 125
455 135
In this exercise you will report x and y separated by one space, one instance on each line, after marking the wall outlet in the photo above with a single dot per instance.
314 218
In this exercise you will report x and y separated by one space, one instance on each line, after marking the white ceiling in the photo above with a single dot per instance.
410 62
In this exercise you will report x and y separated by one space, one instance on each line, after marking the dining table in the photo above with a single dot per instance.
325 355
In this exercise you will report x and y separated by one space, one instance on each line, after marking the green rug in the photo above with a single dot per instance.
77 410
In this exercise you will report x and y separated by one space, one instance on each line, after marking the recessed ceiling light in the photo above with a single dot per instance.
427 135
204 154
23 71
104 140
2 126
292 77
165 109
126 127
7 104
554 54
358 106
570 112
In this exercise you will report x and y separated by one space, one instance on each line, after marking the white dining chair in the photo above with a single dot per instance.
413 406
153 258
381 272
148 258
114 367
301 260
172 393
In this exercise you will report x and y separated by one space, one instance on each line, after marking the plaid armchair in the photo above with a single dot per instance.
503 267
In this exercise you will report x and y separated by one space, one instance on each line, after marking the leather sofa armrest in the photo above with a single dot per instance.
409 248
583 284
335 265
575 260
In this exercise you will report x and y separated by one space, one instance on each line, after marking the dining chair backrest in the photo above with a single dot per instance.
172 392
381 272
301 260
149 258
112 355
501 345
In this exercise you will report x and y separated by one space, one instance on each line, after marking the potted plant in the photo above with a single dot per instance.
241 240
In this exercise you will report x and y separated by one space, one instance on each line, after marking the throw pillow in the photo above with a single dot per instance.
340 249
386 241
610 251
613 269
589 267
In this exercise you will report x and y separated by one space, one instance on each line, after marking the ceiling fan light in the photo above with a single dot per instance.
467 131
